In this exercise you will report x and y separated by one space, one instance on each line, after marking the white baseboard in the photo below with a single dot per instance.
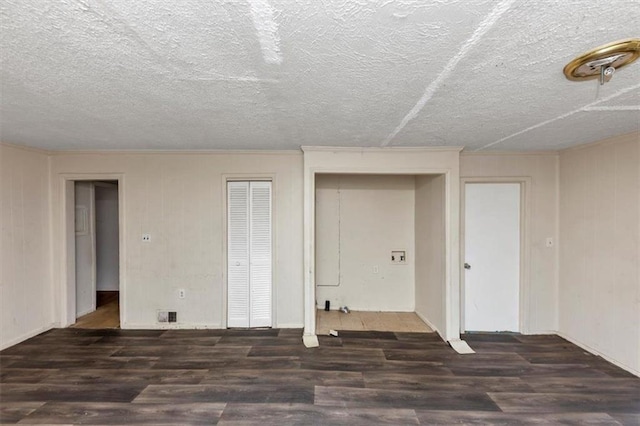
188 326
426 321
539 333
430 324
26 336
170 326
83 313
355 308
597 352
295 325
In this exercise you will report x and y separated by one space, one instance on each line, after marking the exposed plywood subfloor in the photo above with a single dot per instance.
105 316
369 321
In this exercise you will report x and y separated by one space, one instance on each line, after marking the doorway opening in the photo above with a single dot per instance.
379 252
96 253
493 242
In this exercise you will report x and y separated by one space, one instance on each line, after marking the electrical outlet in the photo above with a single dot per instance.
146 237
399 256
549 242
181 293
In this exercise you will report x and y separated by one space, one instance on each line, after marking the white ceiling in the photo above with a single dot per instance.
277 74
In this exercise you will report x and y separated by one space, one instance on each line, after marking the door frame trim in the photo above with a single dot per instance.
242 177
67 243
525 237
386 160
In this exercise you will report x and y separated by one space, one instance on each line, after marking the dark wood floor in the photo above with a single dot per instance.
268 377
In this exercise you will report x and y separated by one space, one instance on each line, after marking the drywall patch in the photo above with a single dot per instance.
482 29
267 30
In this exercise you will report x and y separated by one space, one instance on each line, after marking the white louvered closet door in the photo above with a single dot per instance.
260 254
249 254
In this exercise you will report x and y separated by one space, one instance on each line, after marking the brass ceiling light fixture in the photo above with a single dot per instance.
603 61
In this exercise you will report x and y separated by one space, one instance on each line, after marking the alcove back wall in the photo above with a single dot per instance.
360 219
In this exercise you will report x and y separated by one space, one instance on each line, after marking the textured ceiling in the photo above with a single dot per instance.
277 74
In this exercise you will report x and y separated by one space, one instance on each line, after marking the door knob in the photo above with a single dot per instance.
467 266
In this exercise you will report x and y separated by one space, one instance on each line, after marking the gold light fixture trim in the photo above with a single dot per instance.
603 61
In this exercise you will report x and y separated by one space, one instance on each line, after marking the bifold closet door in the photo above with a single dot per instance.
249 254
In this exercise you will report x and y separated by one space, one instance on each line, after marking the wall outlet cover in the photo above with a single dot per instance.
399 256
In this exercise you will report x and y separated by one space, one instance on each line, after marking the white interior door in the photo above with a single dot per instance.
492 257
85 248
249 257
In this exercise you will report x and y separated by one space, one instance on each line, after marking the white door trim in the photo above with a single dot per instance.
525 220
67 243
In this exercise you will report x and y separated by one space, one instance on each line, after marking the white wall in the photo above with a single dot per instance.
107 251
85 248
540 292
179 199
430 266
25 275
360 219
600 255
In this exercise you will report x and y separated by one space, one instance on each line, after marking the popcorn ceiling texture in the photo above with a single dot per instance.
277 74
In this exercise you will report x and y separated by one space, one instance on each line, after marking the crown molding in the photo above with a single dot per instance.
543 153
387 149
178 152
26 148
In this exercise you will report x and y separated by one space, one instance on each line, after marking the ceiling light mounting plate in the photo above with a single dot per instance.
603 61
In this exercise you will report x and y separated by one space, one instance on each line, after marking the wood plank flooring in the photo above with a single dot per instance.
267 377
106 315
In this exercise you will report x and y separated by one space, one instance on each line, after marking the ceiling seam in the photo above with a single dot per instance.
267 30
120 25
125 29
482 29
584 108
613 108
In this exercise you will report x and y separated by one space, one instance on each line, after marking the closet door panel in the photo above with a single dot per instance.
260 249
238 272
